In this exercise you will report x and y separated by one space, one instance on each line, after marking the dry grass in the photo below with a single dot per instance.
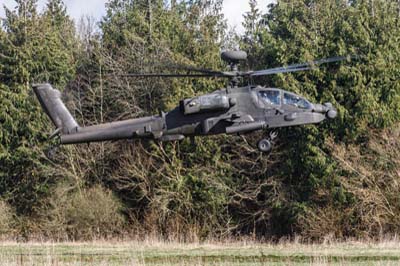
211 253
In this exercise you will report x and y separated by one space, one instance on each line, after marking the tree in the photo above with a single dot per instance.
365 91
30 52
189 33
250 40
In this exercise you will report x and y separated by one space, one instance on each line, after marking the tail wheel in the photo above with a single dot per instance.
264 145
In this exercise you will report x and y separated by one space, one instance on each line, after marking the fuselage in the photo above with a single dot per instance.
225 111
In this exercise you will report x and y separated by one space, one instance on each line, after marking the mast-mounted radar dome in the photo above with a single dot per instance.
234 56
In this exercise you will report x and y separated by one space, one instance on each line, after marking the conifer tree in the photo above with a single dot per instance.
30 52
251 24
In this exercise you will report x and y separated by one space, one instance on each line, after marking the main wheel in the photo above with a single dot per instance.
264 145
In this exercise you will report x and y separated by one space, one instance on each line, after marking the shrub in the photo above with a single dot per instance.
6 219
86 214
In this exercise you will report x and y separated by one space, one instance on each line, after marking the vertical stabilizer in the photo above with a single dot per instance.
50 99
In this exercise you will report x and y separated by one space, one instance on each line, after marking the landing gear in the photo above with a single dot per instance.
265 145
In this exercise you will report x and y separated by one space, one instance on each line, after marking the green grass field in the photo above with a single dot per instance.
155 253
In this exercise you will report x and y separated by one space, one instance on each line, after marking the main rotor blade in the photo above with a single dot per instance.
160 75
297 67
202 73
200 70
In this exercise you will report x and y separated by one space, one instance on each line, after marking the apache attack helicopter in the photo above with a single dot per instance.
231 110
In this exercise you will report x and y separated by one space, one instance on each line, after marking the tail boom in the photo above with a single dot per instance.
71 133
147 127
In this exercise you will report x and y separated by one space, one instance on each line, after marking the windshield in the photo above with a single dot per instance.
271 96
291 99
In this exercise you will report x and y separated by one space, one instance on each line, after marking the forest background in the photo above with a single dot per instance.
339 179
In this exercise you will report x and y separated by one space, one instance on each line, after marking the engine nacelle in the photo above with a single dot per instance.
205 103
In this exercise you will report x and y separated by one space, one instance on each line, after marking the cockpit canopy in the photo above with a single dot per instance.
295 100
272 97
278 97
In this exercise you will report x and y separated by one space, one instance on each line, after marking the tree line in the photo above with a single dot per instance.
338 179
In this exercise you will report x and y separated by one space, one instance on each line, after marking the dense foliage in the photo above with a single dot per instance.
337 179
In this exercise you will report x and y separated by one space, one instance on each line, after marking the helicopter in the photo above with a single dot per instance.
231 110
